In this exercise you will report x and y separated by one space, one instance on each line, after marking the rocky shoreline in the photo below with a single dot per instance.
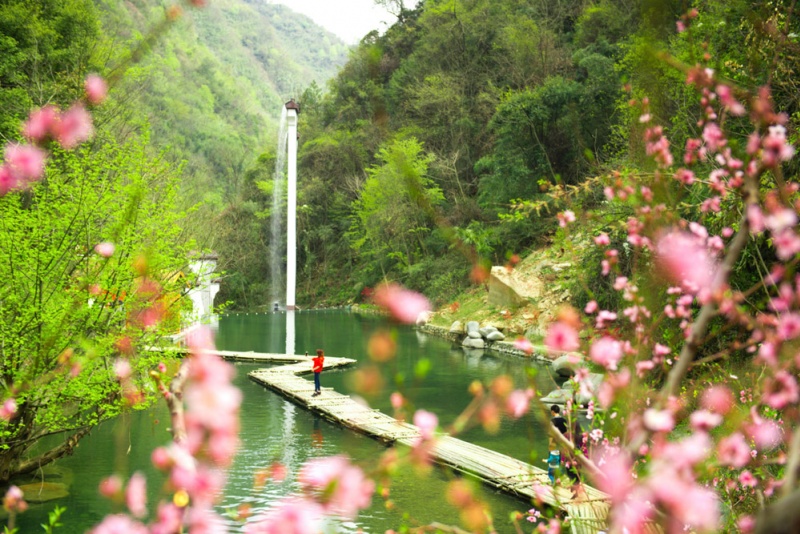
539 354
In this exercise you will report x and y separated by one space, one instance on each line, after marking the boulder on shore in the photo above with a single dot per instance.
557 396
473 330
457 328
486 330
567 365
495 336
474 343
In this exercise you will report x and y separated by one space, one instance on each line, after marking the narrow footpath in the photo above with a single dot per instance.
528 482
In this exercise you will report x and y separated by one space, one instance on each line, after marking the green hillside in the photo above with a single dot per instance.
211 87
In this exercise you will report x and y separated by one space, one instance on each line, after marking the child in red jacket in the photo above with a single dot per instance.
318 363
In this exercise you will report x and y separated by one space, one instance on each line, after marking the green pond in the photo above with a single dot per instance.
274 429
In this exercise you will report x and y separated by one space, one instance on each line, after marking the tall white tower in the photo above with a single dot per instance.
292 109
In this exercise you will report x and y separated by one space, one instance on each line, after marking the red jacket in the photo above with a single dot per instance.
317 363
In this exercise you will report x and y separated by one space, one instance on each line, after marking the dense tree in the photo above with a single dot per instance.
69 310
45 47
391 217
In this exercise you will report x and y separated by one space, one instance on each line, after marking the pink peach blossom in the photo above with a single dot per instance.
13 500
616 474
122 369
136 495
561 336
104 249
396 400
96 89
746 524
631 516
41 124
781 390
517 403
402 304
603 317
201 340
607 352
338 485
780 220
169 519
8 180
26 162
713 137
565 218
733 106
747 479
111 486
426 422
119 524
685 176
755 217
776 148
766 434
74 127
704 420
292 515
788 326
787 244
718 399
732 450
9 409
684 259
524 345
658 420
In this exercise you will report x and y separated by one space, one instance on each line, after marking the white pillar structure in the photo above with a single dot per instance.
291 205
290 332
205 289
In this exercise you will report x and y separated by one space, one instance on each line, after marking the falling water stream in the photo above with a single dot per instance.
277 235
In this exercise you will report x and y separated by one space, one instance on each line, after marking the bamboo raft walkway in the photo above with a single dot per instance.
527 482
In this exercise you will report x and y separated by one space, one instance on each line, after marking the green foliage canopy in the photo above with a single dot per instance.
66 311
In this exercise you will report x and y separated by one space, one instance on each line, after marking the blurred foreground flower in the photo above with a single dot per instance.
402 304
685 259
339 486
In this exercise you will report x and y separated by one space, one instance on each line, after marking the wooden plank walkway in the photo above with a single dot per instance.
528 482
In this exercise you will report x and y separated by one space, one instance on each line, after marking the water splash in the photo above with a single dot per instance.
277 242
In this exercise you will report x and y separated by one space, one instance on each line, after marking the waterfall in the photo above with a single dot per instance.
277 241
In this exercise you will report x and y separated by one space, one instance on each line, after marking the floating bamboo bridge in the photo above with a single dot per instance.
587 513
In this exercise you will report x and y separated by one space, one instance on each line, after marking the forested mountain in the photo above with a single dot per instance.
453 139
212 86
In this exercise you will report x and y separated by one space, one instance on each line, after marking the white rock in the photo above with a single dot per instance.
474 343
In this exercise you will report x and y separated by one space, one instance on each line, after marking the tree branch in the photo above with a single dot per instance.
175 402
64 449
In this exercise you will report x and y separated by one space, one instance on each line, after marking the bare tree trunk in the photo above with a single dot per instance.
65 449
781 517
